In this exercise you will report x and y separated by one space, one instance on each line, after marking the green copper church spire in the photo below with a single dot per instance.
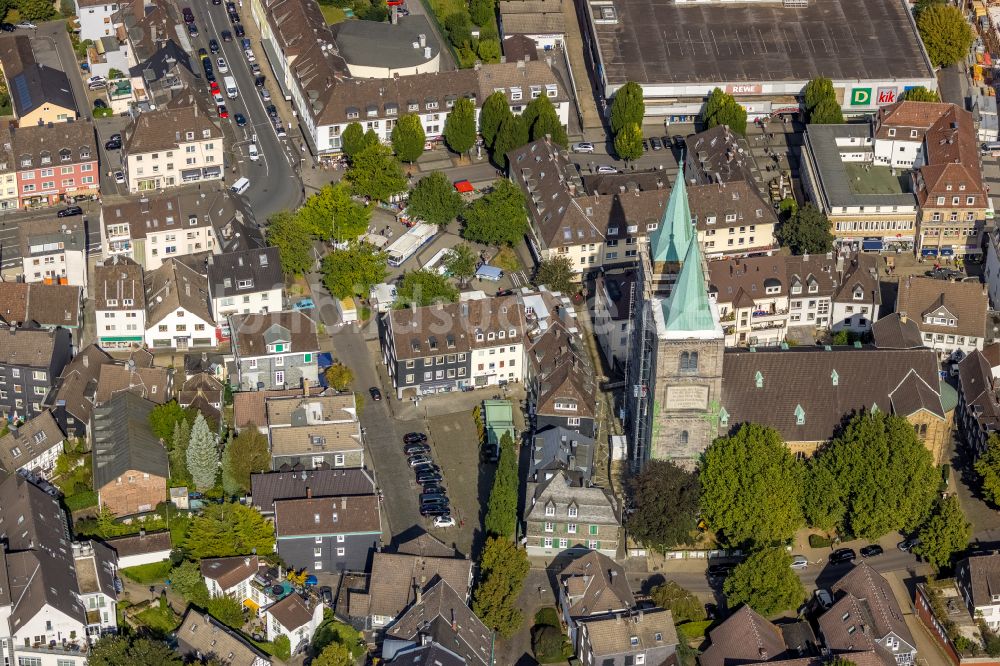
687 308
672 237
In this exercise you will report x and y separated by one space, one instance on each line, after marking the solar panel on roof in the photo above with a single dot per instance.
21 88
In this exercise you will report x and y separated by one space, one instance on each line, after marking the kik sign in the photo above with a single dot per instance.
886 96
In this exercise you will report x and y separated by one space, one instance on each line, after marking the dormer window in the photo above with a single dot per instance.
65 155
800 415
391 110
892 132
26 162
112 302
515 93
244 284
431 104
371 111
551 90
858 294
352 112
85 153
128 302
413 106
278 348
550 510
536 92
449 102
189 136
813 287
572 512
835 378
46 158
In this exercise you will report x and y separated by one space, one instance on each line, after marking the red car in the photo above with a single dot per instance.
223 113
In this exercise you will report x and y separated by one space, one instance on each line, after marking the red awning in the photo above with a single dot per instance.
464 186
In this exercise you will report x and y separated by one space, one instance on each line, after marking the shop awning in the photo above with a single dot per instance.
464 186
122 339
928 252
252 605
947 251
872 244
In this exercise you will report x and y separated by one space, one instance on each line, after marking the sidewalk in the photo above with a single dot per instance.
928 650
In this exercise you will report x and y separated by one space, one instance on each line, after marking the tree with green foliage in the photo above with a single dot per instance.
822 500
163 418
666 499
987 466
353 139
332 214
920 94
827 112
35 10
495 110
131 648
294 241
512 134
353 270
482 12
334 654
498 218
230 486
458 25
224 530
339 376
226 610
628 107
945 533
885 476
282 647
460 126
502 570
766 582
202 455
816 91
408 138
920 5
435 200
187 581
178 452
489 49
248 453
462 262
542 120
557 274
422 288
723 109
683 605
628 143
807 231
501 509
787 207
946 34
375 173
751 488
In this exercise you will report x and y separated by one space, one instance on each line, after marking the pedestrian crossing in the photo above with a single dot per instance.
519 279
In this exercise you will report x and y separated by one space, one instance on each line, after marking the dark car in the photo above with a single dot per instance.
240 119
213 46
433 498
432 494
679 140
7 27
202 53
907 544
192 29
431 511
945 274
100 104
414 438
113 144
428 477
226 36
230 6
234 18
842 555
70 211
872 550
255 68
720 570
645 146
238 29
434 488
188 15
259 81
375 394
488 454
272 111
655 143
325 592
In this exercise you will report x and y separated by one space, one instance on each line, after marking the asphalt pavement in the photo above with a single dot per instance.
274 182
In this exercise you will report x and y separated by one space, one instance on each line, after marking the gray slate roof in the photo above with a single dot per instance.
267 487
385 45
124 441
559 447
896 331
29 441
593 504
261 267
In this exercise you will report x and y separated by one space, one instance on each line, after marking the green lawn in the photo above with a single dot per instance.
507 260
691 630
82 500
445 8
332 14
146 574
160 620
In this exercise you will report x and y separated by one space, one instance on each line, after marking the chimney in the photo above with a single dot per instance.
454 623
86 361
246 561
309 492
305 387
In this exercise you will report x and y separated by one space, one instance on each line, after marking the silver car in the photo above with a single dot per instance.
799 562
583 147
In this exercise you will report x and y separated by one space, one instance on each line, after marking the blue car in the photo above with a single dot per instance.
304 304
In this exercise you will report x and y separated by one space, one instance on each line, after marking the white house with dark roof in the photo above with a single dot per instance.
978 579
119 301
33 446
245 282
293 616
177 310
54 251
170 147
97 576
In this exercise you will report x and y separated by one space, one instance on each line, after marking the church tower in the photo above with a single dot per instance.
674 379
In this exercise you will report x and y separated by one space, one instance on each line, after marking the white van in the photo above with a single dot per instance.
253 152
241 186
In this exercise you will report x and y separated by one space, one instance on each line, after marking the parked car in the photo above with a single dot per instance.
304 304
823 598
238 29
240 119
842 555
414 438
907 544
426 497
799 562
720 570
223 67
375 394
945 274
435 511
120 177
428 477
272 111
325 592
426 467
444 521
113 143
655 143
416 449
872 550
188 15
583 147
265 94
192 29
223 111
252 152
226 36
434 488
97 82
26 25
100 104
604 168
259 81
7 27
214 47
435 501
420 460
70 211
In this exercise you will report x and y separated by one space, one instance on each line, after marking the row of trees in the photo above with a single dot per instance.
408 136
627 111
502 131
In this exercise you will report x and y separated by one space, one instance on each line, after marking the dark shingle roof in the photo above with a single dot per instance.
595 584
29 441
267 487
32 85
124 441
984 578
251 333
201 636
118 279
77 385
327 515
229 571
443 615
262 268
870 601
745 637
827 385
966 302
897 331
166 129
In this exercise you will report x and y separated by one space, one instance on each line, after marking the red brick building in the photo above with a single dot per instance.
55 163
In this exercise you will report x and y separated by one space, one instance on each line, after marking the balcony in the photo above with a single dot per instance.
75 647
759 315
768 325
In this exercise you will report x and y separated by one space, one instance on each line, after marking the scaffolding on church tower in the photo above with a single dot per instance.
639 367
